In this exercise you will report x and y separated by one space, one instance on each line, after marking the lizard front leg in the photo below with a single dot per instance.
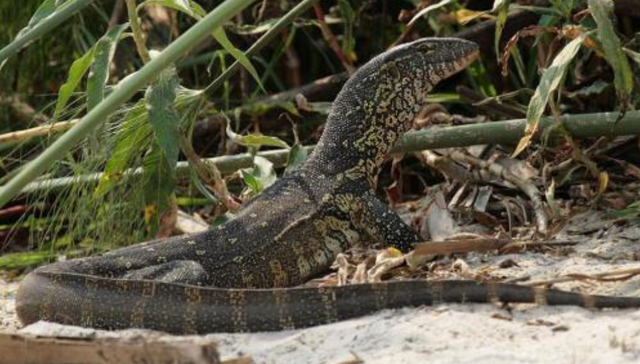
383 224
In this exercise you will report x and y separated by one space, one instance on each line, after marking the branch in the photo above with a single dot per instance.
499 132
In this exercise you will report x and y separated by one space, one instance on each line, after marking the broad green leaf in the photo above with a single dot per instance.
105 49
76 72
549 82
297 155
160 99
429 9
255 140
602 12
252 182
131 141
261 176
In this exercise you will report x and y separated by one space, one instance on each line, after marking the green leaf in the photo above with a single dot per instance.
105 49
502 8
429 9
188 7
221 37
252 182
297 155
549 82
76 72
255 140
131 141
602 12
163 116
261 176
195 11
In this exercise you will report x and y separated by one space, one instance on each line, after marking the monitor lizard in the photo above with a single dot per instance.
232 278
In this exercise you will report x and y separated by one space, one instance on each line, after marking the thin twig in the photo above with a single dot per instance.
43 130
332 40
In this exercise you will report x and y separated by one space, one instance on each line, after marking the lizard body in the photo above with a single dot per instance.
230 279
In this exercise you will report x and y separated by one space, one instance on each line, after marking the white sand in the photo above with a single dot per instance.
472 333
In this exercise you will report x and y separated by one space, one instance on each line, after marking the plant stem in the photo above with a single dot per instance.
43 130
125 90
42 28
263 40
505 132
138 37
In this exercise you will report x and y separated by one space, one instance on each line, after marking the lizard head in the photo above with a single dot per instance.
430 59
378 103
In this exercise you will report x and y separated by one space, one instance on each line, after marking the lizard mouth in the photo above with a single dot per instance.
467 52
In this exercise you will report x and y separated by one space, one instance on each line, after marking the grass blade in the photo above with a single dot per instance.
549 82
602 12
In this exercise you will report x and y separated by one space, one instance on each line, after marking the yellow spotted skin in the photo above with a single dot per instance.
230 279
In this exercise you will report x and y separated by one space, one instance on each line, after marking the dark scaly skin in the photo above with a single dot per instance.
226 279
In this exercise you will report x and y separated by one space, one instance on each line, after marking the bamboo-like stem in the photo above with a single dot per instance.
506 132
138 37
20 135
125 90
42 28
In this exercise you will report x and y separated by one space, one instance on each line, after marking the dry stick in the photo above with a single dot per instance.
499 132
453 246
618 275
160 348
332 41
43 130
493 106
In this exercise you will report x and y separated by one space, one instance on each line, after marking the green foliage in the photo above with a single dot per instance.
602 11
550 81
255 140
103 53
261 176
77 71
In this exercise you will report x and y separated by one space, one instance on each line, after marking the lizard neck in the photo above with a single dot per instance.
374 109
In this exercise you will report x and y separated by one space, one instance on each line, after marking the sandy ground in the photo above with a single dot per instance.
471 333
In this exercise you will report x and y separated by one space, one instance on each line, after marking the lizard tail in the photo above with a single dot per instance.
182 309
